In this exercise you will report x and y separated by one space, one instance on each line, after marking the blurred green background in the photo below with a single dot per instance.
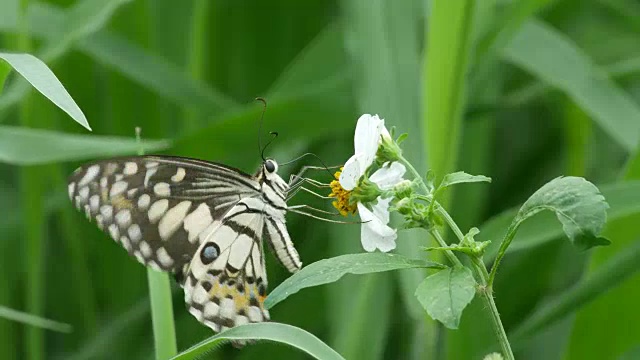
522 91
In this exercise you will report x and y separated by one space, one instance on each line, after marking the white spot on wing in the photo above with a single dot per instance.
143 201
197 221
164 258
254 314
211 309
200 295
125 243
158 209
114 232
162 189
173 219
227 308
130 168
72 189
149 174
240 251
180 173
84 193
118 188
94 202
123 218
92 172
134 233
145 249
107 212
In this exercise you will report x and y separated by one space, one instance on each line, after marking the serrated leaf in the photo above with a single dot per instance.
445 294
24 146
282 333
331 270
44 80
578 205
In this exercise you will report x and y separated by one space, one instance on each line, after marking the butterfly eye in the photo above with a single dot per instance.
209 253
270 165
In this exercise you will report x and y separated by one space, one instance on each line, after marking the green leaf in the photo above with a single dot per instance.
331 270
282 333
42 78
24 146
460 177
445 294
578 205
568 68
33 320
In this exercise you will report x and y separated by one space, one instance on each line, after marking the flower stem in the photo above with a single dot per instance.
484 279
486 291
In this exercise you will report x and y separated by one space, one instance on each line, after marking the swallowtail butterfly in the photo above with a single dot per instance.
202 221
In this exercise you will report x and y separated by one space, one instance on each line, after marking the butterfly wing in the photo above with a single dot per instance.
159 208
226 282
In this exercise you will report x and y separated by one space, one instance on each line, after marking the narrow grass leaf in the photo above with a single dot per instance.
282 333
566 67
44 80
609 275
33 320
445 294
623 199
154 73
24 146
330 270
577 203
61 30
89 16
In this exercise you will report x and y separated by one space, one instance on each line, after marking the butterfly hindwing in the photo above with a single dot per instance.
226 281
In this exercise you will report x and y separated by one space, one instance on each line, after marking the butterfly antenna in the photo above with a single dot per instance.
314 155
264 109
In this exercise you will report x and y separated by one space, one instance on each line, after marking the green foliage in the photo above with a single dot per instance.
330 270
271 331
578 205
41 78
446 293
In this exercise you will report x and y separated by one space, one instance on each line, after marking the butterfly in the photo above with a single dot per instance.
202 221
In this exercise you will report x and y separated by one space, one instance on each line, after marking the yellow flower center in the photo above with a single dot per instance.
342 196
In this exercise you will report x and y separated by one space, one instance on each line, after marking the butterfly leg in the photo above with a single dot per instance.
295 178
296 209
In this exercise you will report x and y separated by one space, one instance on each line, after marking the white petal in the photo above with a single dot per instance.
367 137
351 172
387 176
381 209
374 234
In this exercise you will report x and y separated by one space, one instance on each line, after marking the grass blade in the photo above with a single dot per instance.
616 270
23 146
566 67
33 320
44 80
272 331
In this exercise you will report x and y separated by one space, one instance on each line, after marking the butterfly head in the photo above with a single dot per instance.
268 173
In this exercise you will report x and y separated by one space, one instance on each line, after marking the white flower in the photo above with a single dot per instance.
369 130
376 233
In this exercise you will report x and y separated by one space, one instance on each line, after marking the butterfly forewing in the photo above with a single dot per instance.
200 220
